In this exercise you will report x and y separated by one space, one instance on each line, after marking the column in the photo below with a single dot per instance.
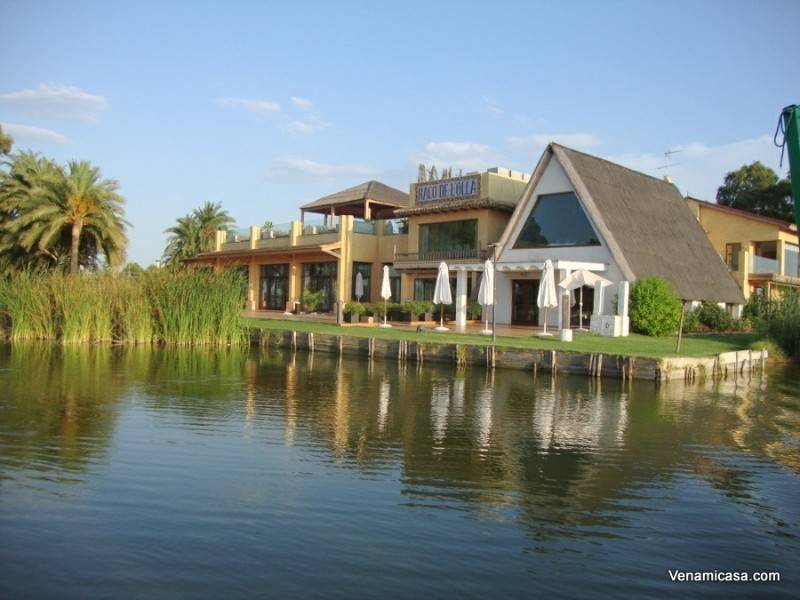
255 236
253 284
563 299
461 299
599 298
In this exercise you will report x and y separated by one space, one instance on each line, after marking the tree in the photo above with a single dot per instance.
6 141
433 174
55 216
654 307
194 233
422 174
757 189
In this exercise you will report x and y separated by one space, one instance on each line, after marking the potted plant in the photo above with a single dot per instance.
312 300
354 310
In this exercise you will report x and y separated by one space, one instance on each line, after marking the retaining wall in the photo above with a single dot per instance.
728 364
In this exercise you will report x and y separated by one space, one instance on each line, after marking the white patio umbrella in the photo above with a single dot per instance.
486 292
386 293
441 293
359 291
578 279
547 297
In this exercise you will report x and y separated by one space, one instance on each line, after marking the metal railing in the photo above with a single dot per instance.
443 254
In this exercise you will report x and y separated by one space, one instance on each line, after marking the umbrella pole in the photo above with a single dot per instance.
441 315
545 320
385 309
580 311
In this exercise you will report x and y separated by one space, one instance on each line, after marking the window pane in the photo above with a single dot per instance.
452 239
365 269
557 220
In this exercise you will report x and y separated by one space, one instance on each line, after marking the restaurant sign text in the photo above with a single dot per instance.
445 190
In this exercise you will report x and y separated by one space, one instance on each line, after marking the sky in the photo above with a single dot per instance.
264 106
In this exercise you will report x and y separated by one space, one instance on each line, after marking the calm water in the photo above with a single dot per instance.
233 474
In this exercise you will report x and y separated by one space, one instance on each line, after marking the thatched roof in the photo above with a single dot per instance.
646 224
375 191
453 205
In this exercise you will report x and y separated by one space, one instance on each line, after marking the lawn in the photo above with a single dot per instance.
633 345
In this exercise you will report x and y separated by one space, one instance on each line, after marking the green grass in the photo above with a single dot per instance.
633 345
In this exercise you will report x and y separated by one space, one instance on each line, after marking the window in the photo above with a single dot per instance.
365 269
452 239
394 282
423 289
321 276
274 286
790 262
557 220
732 252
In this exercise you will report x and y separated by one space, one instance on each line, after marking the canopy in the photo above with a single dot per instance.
547 298
582 278
359 291
441 293
486 289
386 286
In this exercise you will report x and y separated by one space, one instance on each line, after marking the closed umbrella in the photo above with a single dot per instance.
547 297
386 293
441 293
577 280
486 292
359 291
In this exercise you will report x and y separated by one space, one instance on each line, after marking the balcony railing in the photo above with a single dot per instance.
453 254
364 226
276 231
762 264
320 229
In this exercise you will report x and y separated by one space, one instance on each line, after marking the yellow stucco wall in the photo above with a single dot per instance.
724 228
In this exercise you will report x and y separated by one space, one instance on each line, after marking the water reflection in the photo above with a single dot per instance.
556 459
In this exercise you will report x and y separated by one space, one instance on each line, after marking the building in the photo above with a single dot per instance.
760 252
455 220
338 236
583 212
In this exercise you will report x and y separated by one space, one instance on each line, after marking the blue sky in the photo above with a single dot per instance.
265 106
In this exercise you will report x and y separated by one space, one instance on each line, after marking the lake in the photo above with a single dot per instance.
133 472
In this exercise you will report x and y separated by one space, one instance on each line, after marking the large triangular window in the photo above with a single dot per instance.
557 220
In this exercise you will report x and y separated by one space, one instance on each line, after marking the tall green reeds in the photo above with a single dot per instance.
780 320
187 307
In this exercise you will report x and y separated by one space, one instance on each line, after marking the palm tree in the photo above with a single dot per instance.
78 208
195 232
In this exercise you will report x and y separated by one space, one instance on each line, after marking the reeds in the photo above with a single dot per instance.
187 307
781 322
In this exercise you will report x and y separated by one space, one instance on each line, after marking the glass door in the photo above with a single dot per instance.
274 286
523 302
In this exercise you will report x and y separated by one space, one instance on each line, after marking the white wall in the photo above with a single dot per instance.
554 180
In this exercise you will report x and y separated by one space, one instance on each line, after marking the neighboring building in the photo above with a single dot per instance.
761 252
358 233
583 212
455 220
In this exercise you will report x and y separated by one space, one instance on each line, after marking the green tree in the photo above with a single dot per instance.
433 174
757 189
68 216
194 233
422 174
6 141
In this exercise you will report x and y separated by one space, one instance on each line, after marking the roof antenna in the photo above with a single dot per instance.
668 163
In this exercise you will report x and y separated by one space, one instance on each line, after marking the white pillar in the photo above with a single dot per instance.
622 298
599 298
562 298
461 299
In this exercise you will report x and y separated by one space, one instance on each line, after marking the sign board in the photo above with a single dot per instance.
463 187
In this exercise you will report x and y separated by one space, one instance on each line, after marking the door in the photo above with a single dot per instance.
523 302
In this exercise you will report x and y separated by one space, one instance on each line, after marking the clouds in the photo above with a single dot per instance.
59 102
29 134
538 141
698 169
466 155
302 170
302 117
255 106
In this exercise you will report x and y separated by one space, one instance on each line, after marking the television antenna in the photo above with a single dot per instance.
668 154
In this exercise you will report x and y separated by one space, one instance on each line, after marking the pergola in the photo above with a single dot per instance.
369 200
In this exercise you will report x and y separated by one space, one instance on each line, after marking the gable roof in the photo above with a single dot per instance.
369 190
787 226
645 223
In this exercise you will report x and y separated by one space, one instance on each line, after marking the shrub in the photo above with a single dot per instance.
313 300
354 308
783 324
416 308
475 309
758 307
691 322
654 307
714 317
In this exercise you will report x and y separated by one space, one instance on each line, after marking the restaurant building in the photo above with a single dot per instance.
760 252
349 232
586 213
